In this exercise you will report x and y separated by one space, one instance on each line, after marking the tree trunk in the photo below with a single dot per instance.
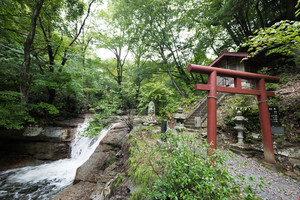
173 81
25 79
170 73
52 93
261 19
231 33
290 9
86 78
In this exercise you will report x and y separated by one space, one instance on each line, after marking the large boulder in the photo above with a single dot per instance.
103 155
102 167
117 136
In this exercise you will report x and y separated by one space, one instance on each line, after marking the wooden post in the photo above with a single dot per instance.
265 122
212 110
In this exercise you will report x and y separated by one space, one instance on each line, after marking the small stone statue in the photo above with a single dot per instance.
151 113
151 109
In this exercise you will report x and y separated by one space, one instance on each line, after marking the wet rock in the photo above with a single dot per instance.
42 143
32 131
293 152
17 161
117 136
89 171
56 134
103 167
81 190
104 155
38 150
70 122
47 134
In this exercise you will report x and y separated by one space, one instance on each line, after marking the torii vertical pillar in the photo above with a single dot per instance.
260 91
212 111
265 121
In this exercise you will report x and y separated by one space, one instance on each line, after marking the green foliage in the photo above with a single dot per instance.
141 168
281 38
13 114
118 181
162 97
42 106
103 115
181 169
298 11
248 106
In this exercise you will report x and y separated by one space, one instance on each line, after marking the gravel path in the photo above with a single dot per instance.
277 186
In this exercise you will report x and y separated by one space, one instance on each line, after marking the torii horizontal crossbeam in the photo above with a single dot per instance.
233 90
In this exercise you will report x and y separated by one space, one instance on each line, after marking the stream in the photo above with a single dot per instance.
45 181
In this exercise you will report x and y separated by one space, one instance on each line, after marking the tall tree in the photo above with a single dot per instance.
115 38
163 32
69 28
25 79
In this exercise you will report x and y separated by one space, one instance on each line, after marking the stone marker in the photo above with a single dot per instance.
274 116
197 122
276 127
164 125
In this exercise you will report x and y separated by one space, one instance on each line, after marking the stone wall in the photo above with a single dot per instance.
35 144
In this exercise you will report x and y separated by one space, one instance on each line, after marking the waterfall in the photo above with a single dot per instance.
47 180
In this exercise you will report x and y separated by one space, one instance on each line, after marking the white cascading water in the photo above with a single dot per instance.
46 180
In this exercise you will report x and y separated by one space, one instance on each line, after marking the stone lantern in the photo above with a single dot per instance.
239 121
179 117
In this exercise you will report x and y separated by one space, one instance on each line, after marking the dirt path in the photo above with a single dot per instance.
276 185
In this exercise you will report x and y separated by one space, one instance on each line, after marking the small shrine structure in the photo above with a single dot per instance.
234 61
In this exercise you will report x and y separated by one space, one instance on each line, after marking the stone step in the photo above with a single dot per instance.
190 127
189 123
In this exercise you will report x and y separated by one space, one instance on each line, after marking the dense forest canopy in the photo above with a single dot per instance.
49 65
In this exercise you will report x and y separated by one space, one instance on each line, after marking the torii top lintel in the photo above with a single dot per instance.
237 75
231 73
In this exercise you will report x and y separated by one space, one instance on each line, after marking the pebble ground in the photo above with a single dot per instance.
276 185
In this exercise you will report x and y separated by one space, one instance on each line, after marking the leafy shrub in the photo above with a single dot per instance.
45 107
160 95
181 169
103 115
190 173
13 114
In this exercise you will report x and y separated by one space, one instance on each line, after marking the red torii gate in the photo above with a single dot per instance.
260 91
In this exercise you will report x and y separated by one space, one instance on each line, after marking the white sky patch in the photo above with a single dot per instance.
101 52
104 53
